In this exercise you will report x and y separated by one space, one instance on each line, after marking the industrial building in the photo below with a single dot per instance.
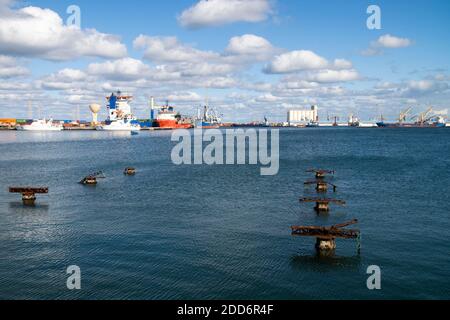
302 116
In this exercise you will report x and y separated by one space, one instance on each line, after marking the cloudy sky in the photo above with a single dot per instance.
249 58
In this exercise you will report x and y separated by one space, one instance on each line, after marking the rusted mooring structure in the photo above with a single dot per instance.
321 185
323 204
130 171
320 173
28 193
326 236
91 179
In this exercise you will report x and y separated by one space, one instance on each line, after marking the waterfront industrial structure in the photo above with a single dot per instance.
165 117
297 116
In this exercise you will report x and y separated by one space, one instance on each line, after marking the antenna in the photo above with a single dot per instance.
30 110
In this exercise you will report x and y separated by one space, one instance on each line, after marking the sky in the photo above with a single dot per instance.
247 58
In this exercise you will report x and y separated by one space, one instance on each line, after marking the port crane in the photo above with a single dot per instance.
404 114
424 116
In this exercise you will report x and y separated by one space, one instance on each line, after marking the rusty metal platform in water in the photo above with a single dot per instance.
29 190
323 200
330 233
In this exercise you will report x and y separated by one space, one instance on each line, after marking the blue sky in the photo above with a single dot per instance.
408 64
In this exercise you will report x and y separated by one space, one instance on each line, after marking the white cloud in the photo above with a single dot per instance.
208 13
386 41
122 69
69 75
301 60
421 85
63 79
389 41
297 83
37 32
342 64
249 44
205 69
183 60
294 61
185 97
267 98
328 76
9 68
169 49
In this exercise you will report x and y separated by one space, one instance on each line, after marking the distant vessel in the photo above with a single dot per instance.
120 117
423 120
41 125
355 122
312 124
209 119
326 124
167 118
367 125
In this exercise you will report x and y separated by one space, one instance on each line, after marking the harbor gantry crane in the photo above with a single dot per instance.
425 116
404 114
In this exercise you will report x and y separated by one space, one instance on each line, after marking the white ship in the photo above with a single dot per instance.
355 122
120 117
41 125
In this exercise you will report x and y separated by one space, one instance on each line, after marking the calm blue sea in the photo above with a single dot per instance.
223 232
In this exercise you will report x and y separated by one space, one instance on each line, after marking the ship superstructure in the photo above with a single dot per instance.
120 117
208 119
168 118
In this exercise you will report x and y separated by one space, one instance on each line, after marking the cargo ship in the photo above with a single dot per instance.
355 122
167 118
423 120
208 120
120 117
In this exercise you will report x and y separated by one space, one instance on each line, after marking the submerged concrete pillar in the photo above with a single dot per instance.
322 207
28 198
325 244
320 175
322 187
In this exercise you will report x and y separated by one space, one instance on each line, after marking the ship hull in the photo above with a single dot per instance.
171 124
118 127
410 125
41 125
24 128
207 125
